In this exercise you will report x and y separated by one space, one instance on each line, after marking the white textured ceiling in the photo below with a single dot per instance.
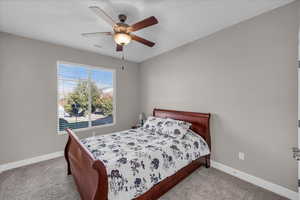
180 21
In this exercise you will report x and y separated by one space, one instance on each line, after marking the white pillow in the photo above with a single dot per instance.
154 123
175 128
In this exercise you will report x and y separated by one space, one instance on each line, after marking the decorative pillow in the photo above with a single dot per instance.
175 128
154 123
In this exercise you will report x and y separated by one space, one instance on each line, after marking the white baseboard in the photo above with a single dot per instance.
282 191
29 161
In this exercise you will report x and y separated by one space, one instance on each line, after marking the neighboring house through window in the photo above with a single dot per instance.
86 96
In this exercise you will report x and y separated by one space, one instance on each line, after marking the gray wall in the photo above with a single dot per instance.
28 100
246 76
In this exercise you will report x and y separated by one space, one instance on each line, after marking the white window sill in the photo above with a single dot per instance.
87 129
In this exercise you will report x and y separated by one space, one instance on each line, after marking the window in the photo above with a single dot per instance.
85 96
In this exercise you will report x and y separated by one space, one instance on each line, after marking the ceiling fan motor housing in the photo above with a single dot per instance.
121 27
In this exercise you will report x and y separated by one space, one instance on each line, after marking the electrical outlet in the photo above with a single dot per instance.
241 156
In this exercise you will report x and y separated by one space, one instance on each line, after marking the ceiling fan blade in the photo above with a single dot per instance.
103 15
143 24
142 40
95 34
119 48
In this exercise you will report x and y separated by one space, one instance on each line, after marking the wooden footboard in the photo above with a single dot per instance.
89 174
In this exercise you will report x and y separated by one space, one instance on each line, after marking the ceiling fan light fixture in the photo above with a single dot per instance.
122 38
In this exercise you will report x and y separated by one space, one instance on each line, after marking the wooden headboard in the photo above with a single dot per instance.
199 121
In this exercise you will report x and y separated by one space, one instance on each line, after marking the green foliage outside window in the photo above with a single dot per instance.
80 96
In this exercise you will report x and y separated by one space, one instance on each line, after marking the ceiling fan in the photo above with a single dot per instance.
122 32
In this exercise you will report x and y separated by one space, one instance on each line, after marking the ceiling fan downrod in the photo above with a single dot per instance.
122 18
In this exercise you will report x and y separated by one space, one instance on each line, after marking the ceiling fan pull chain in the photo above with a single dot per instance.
123 61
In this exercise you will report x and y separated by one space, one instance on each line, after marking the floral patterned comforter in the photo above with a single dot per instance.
137 159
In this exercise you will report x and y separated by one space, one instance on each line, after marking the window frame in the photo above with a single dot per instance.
89 67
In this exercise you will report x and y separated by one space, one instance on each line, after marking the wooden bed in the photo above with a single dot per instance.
90 174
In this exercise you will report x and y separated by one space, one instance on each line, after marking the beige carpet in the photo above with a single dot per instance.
48 181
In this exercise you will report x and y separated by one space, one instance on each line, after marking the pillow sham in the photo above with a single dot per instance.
154 123
175 128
